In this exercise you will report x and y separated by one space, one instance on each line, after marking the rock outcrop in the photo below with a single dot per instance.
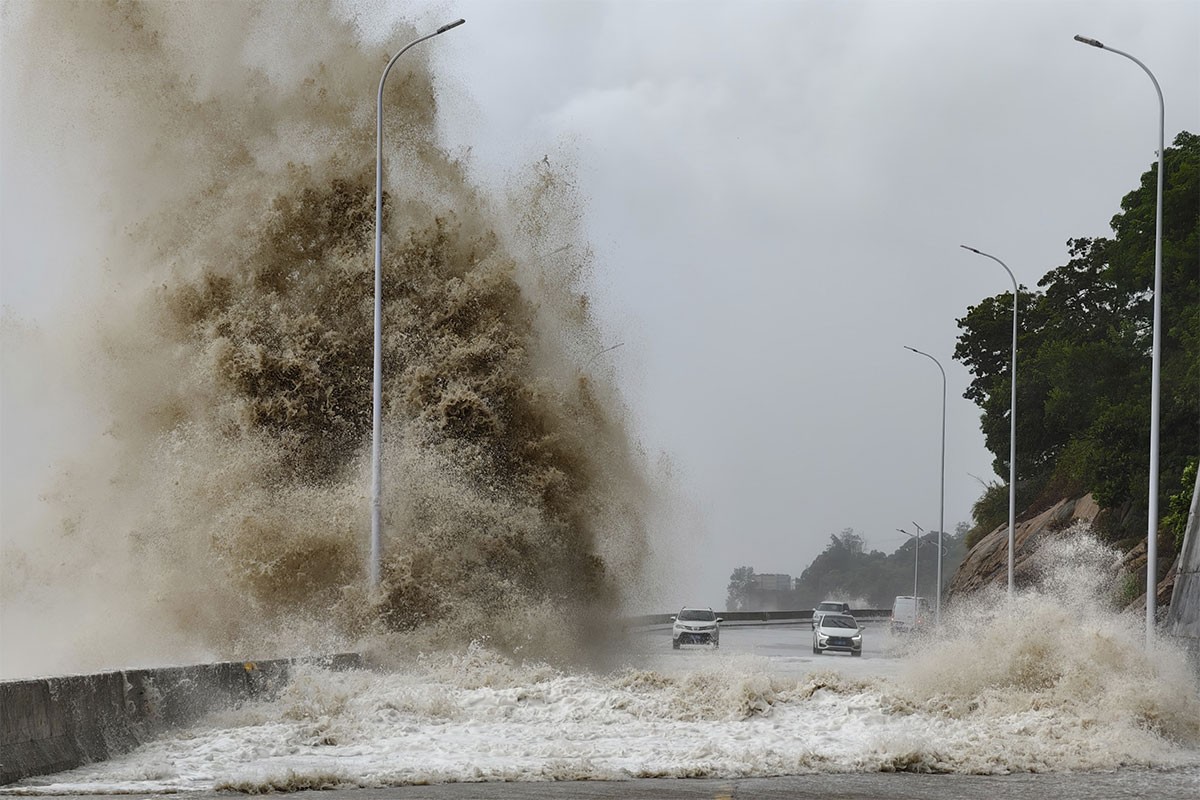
987 563
1134 563
1178 606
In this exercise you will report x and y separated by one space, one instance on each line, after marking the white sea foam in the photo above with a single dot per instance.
197 492
1047 683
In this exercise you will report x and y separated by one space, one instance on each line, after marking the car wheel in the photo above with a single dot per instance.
856 652
816 650
674 644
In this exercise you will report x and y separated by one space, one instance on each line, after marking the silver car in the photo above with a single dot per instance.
838 633
829 607
696 626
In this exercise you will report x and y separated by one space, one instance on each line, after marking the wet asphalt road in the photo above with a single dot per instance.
790 649
1117 785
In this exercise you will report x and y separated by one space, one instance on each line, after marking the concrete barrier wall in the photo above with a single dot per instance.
1183 617
756 617
49 725
52 724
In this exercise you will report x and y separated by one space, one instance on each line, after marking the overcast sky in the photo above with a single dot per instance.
776 193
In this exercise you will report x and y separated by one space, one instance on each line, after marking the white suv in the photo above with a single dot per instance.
696 626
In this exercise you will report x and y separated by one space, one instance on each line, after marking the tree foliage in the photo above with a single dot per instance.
1084 345
846 570
741 584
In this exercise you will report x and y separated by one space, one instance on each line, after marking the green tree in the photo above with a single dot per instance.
741 582
1084 352
845 570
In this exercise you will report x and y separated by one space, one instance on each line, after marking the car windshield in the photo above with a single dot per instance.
832 621
829 607
697 615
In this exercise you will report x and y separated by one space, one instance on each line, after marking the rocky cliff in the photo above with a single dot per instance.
987 562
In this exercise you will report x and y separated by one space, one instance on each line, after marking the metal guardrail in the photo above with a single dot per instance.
757 617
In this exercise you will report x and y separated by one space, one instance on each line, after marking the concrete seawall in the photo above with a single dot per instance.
53 724
1183 617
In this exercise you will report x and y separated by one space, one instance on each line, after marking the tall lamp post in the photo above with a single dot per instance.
377 383
1012 429
1155 353
937 606
916 556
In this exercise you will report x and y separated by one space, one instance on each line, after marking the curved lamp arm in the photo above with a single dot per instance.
377 381
937 613
1012 421
1155 352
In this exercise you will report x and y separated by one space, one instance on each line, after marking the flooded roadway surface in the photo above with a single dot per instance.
760 717
1122 785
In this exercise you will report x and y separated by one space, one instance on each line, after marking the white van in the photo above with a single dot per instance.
908 613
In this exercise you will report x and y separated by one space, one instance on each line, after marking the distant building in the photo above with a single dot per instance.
771 582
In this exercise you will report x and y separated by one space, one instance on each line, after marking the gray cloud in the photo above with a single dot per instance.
776 193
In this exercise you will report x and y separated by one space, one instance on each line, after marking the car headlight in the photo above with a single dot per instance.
856 637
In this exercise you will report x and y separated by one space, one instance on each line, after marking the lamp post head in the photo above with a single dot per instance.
450 25
1092 42
972 249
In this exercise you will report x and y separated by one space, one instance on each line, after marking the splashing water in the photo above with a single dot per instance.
1054 681
1059 656
229 147
227 150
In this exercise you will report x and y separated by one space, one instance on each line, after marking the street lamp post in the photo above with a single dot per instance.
920 531
916 556
377 382
1012 427
1155 353
937 607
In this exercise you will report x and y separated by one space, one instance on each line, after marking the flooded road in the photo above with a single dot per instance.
1117 785
762 716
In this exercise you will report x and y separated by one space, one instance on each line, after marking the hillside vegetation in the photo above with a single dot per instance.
845 570
1083 400
1084 367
